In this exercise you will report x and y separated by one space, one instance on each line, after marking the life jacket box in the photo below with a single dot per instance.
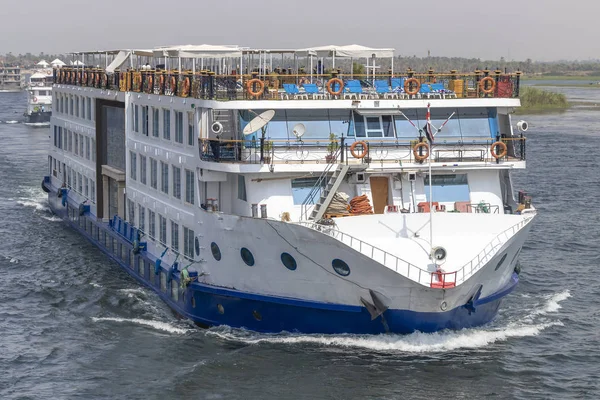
504 89
423 206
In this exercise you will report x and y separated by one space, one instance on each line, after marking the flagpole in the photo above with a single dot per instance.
430 186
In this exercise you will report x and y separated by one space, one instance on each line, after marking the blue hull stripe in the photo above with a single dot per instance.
275 314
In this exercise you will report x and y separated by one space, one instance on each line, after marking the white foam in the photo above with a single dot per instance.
37 204
163 326
14 260
37 123
11 122
552 304
52 218
96 285
135 291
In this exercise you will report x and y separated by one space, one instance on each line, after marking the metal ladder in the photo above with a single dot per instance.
328 192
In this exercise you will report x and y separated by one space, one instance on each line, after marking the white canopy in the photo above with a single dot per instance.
57 63
119 60
201 51
41 75
43 63
77 62
352 50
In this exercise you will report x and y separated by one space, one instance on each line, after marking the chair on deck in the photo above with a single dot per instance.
292 90
312 89
442 91
383 90
398 87
354 90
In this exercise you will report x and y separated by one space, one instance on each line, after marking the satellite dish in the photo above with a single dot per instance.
522 126
298 130
217 128
258 122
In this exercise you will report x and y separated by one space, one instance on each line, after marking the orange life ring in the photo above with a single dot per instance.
363 153
492 86
329 87
104 80
407 84
162 81
150 80
186 87
97 79
259 91
173 85
503 150
85 78
418 156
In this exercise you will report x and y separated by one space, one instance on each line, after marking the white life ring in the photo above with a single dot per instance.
34 99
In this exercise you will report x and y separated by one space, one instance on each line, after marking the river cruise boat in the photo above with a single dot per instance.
10 78
39 97
276 190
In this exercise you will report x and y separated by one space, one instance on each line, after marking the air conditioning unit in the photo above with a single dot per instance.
359 177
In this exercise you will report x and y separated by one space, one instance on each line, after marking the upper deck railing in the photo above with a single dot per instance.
209 86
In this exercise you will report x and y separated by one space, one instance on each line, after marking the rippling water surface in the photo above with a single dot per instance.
72 325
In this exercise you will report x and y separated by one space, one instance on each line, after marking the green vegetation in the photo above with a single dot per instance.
537 100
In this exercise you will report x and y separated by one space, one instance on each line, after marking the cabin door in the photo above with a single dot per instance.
379 192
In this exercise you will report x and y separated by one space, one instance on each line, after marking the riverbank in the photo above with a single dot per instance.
540 100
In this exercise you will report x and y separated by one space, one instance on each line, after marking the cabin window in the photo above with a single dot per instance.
162 229
164 176
191 135
151 224
373 126
216 252
77 106
301 188
76 144
145 120
85 185
341 267
242 188
179 127
448 188
89 109
143 169
80 145
87 147
189 186
136 118
153 173
174 290
174 237
142 218
94 150
155 122
70 141
133 165
93 191
80 182
131 211
288 261
188 243
163 282
247 256
176 182
166 124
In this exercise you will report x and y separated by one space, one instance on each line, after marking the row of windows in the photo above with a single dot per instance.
150 115
76 143
163 224
74 105
175 176
288 261
74 180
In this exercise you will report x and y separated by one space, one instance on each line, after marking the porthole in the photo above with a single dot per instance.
247 256
197 246
193 300
288 261
500 262
216 252
340 267
221 309
257 315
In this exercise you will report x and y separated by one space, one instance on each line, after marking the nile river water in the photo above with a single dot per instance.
73 325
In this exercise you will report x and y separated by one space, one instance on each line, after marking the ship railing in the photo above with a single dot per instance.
391 151
489 251
404 268
300 86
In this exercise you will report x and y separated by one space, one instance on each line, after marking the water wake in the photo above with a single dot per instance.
158 325
417 342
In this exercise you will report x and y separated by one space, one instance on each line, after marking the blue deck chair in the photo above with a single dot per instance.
443 92
383 90
292 90
398 87
313 90
425 91
354 89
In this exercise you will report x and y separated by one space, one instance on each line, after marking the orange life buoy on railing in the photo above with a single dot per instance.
162 82
330 84
363 153
416 87
259 91
85 78
421 157
150 80
482 85
503 150
173 85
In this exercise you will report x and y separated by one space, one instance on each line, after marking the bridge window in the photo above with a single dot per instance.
373 126
448 188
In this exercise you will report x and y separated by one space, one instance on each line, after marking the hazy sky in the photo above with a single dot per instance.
514 29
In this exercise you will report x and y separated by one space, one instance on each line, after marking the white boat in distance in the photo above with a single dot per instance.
274 190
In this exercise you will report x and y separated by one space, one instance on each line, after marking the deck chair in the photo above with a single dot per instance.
443 92
398 87
312 89
383 90
292 90
354 90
